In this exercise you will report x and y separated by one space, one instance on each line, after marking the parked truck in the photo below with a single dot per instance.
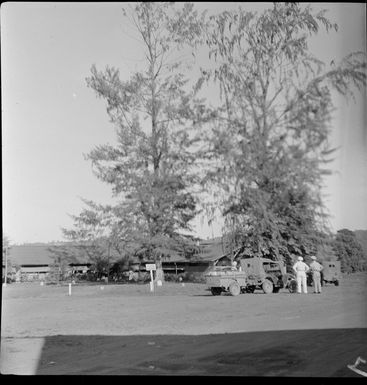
253 273
330 273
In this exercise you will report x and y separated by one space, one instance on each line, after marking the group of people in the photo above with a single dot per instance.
301 269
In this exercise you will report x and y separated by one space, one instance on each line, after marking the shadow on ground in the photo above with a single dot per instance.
306 353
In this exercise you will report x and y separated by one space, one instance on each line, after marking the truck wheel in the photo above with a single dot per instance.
234 288
267 286
292 286
216 290
336 282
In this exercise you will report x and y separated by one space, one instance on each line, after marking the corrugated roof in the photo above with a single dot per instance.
43 269
38 254
30 255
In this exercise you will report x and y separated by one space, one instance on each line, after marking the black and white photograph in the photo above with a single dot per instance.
184 189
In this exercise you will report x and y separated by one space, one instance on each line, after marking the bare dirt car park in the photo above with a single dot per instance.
182 329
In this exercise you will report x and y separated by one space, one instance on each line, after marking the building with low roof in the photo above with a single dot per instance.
211 252
31 262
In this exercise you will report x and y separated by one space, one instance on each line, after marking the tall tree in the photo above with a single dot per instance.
270 144
349 251
150 169
6 241
6 262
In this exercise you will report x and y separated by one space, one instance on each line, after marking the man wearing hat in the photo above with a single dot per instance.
316 269
301 269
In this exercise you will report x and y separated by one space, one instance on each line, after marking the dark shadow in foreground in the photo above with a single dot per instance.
286 353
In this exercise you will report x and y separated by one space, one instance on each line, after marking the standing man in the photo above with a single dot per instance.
301 269
316 269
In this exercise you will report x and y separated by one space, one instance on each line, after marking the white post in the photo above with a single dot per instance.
151 281
69 288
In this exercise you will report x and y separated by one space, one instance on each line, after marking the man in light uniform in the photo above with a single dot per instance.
301 269
234 264
316 269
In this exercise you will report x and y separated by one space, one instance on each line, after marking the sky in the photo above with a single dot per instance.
50 118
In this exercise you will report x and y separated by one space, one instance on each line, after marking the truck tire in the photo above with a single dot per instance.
216 290
267 286
336 282
234 289
292 286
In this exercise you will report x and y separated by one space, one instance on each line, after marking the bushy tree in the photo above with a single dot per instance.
150 169
349 251
270 142
95 238
6 241
361 236
6 261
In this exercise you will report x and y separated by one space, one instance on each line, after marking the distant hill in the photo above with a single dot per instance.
361 236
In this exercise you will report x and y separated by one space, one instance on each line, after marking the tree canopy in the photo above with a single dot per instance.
349 251
270 144
150 169
264 148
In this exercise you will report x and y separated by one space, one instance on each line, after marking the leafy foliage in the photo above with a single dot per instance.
261 154
5 256
349 251
6 242
150 169
361 236
95 238
269 149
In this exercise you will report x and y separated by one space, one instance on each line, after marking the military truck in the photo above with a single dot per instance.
330 273
253 273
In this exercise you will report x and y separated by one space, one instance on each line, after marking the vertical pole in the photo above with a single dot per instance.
151 281
69 288
59 270
6 267
108 262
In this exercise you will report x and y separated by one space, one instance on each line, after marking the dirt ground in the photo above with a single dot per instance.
182 330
